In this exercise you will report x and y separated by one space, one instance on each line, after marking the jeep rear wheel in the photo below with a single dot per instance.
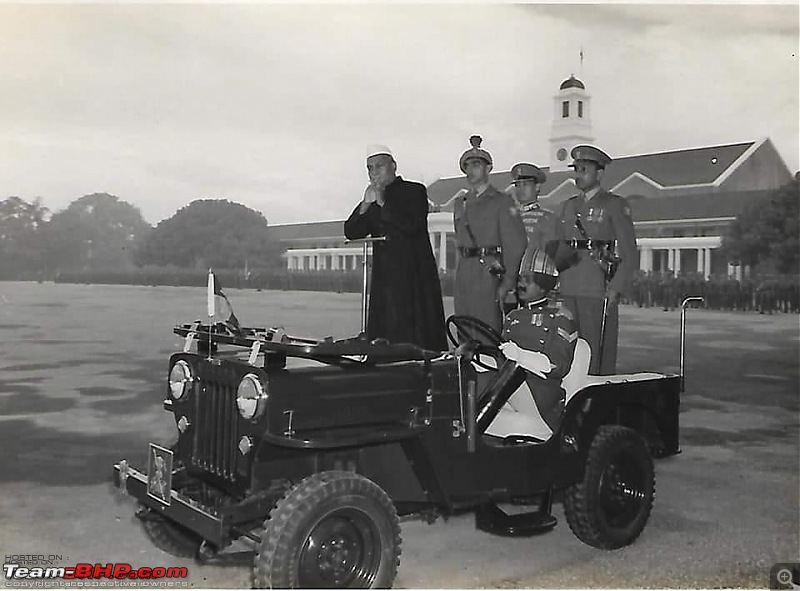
610 507
170 537
332 530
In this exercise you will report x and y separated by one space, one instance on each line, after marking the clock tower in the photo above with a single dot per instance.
572 123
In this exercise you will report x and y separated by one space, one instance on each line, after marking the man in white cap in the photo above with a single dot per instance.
405 295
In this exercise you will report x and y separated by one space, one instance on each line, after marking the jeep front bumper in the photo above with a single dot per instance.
172 505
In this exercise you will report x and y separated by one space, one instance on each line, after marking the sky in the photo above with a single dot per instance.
273 105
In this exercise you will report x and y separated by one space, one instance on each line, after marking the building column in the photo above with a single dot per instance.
671 259
443 251
677 261
707 263
646 259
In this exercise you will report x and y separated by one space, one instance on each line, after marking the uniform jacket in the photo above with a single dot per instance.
405 293
547 327
541 225
605 216
494 220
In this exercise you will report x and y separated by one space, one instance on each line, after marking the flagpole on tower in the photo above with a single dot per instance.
581 68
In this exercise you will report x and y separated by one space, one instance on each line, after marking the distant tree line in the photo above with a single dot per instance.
100 238
766 234
100 234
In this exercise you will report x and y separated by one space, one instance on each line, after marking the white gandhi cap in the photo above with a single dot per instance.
377 149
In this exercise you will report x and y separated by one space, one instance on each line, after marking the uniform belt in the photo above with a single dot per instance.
479 251
592 244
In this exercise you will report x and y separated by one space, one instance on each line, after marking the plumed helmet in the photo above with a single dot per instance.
474 152
537 261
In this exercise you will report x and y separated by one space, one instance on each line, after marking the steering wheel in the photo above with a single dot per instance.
478 335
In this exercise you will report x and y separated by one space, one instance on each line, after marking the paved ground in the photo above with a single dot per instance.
81 380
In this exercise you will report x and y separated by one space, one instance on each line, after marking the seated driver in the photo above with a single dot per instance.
541 335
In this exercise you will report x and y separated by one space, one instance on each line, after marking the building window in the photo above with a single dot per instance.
580 108
565 109
306 263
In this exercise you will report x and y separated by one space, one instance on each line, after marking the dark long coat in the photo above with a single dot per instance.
405 294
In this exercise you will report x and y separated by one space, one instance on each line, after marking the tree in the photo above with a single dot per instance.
97 231
22 249
211 233
766 232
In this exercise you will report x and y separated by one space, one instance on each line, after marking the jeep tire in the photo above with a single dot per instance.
170 537
333 529
610 507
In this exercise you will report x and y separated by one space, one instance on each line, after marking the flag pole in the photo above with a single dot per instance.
211 307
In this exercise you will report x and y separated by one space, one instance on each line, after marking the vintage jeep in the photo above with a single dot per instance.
309 452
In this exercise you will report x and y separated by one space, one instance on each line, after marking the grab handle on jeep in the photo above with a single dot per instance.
685 304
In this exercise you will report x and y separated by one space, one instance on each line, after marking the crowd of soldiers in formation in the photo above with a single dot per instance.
766 295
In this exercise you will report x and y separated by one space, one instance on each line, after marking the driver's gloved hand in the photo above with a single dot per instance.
510 350
534 361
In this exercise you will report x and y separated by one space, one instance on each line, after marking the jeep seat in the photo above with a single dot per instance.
520 415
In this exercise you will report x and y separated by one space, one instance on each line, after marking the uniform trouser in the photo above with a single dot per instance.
549 397
588 314
476 292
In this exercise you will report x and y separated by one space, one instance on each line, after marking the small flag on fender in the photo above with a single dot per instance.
219 306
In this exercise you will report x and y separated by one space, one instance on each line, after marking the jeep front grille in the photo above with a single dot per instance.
215 434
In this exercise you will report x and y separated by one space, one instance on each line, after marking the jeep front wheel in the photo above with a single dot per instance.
610 507
332 530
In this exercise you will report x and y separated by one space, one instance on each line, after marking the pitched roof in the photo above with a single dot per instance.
688 207
693 166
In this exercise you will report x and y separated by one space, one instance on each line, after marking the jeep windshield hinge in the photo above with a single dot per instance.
254 351
289 414
190 336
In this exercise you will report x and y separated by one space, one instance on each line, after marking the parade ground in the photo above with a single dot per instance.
82 379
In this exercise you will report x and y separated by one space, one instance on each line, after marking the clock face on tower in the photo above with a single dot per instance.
561 154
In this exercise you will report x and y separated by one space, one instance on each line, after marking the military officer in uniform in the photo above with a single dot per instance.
541 225
541 335
491 240
597 230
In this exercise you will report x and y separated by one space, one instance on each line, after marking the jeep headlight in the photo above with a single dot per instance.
251 397
180 377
